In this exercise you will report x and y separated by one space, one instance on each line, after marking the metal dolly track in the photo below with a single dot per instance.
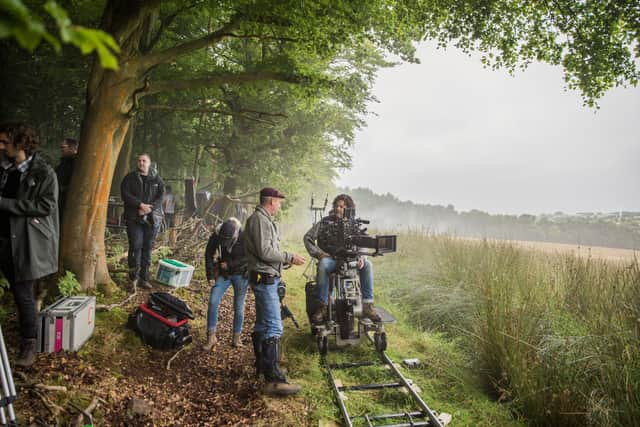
424 417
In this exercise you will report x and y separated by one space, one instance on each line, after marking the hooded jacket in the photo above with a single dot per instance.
235 257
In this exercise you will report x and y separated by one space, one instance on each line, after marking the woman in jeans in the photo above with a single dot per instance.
226 265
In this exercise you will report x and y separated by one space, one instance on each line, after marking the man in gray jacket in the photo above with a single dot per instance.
265 261
28 226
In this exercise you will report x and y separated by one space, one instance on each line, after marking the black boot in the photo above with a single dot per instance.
144 278
276 383
256 338
27 354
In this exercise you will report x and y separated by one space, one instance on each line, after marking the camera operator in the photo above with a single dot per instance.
142 192
226 264
262 243
321 244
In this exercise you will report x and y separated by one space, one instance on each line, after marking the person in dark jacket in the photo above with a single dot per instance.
321 244
226 264
28 226
64 170
142 192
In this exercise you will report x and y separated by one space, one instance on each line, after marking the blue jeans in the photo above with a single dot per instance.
239 294
268 320
326 266
141 239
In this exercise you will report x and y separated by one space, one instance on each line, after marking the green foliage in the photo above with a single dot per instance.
160 253
551 333
4 284
68 284
29 30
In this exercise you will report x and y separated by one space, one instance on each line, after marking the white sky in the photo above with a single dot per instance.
450 131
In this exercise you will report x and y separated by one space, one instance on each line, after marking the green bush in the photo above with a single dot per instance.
68 285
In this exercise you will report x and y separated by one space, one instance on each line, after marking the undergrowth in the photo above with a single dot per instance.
554 335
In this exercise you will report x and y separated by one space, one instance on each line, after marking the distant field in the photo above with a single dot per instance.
609 254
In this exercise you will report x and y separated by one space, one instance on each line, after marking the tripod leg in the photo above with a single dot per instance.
8 387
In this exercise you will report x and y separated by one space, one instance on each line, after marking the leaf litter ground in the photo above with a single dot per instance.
200 388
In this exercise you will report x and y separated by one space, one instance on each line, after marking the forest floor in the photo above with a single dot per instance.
198 388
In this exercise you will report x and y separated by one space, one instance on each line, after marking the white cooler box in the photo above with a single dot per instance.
174 273
66 324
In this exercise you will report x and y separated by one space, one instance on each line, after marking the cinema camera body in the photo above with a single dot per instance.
344 317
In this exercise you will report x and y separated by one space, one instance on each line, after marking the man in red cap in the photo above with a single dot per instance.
265 261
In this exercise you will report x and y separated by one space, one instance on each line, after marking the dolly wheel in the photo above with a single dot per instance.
323 345
380 341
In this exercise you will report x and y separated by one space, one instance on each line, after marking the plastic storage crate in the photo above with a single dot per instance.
174 273
66 324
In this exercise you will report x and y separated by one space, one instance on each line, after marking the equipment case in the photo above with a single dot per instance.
174 273
66 324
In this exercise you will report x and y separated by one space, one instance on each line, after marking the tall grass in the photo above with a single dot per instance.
555 335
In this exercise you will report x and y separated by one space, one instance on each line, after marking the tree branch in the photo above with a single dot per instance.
239 113
262 37
218 79
168 55
165 23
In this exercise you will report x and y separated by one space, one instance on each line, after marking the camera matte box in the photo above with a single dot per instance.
66 324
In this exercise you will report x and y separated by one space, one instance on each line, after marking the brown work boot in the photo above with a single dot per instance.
134 285
144 284
281 389
236 342
211 340
27 354
318 316
368 311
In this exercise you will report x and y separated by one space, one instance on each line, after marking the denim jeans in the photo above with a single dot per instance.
141 239
268 320
239 294
326 266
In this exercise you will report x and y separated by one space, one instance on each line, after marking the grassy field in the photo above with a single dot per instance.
597 252
553 336
447 378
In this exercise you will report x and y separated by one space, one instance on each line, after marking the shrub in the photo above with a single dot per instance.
68 285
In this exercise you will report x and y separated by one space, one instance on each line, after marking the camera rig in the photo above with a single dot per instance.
352 240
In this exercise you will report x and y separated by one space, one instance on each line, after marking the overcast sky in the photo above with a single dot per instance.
449 131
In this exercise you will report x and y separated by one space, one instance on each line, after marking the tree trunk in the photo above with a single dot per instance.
104 128
103 132
123 167
196 164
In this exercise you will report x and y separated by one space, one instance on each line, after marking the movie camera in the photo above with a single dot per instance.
344 317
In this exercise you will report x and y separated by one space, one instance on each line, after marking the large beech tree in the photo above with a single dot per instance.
158 40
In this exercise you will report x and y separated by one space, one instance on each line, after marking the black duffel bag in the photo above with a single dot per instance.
162 327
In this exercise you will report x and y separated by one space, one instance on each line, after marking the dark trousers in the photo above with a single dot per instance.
141 238
23 293
169 219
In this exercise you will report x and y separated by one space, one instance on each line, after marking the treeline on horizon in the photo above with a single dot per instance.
386 211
